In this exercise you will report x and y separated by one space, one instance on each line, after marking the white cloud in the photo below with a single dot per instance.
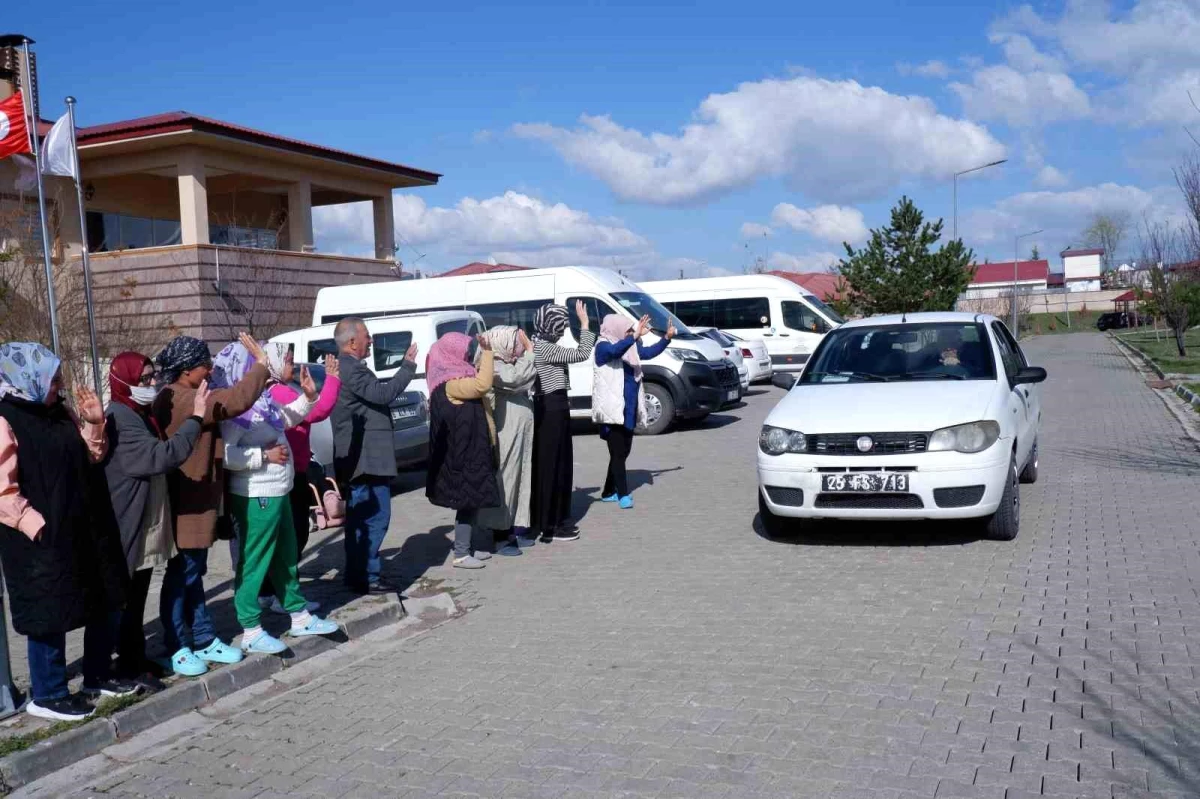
806 262
510 226
753 230
809 131
833 223
930 69
1050 178
1022 99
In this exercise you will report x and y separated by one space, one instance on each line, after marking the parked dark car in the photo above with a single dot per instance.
1119 320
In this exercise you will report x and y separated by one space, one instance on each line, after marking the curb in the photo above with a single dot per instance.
1189 396
1145 359
76 744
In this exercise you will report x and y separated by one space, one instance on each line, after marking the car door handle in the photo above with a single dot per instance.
785 335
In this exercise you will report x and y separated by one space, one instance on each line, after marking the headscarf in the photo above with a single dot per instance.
614 329
124 373
505 343
232 364
551 322
180 355
27 370
449 359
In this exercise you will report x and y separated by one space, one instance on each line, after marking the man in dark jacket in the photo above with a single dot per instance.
363 452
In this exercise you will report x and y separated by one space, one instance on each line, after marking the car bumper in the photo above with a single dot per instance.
411 445
789 363
760 371
791 486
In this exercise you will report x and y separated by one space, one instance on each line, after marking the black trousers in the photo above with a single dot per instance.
620 443
301 500
131 638
553 463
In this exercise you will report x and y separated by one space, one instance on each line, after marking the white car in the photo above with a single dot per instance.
758 360
929 416
732 351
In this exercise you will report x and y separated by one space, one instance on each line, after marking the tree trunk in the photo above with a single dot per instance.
1180 342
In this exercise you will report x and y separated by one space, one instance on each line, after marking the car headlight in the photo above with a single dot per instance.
777 440
973 437
680 354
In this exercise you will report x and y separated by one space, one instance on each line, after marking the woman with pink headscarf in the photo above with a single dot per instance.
618 400
462 456
512 410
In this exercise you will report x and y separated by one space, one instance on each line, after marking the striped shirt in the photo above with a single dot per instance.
552 361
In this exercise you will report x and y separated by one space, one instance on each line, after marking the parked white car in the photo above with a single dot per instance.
758 360
732 352
933 416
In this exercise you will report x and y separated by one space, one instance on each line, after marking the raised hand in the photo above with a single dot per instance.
307 384
524 339
412 353
643 326
88 406
277 455
200 402
253 347
581 312
671 331
333 367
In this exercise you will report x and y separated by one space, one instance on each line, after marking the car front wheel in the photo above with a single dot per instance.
1005 523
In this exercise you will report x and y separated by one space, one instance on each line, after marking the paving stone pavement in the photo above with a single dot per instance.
673 652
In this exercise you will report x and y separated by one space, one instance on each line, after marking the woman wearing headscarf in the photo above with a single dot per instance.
196 491
298 438
61 558
259 466
512 411
553 476
618 399
462 466
136 469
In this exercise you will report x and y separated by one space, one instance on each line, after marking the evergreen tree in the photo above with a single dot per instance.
897 273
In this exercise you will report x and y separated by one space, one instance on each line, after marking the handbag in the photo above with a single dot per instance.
329 509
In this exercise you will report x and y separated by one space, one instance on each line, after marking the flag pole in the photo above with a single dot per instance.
87 266
31 115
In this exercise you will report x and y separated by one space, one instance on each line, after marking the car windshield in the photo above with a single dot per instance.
903 353
640 304
832 315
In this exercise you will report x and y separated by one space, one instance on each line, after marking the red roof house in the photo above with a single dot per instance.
825 285
478 268
988 275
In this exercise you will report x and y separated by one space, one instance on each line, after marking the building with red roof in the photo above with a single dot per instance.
478 268
992 280
827 286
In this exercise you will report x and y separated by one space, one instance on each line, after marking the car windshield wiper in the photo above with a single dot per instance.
937 375
868 376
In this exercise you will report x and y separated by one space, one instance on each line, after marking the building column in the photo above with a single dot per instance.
299 215
193 199
385 233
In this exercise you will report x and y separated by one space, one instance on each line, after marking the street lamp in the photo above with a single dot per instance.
964 172
1017 260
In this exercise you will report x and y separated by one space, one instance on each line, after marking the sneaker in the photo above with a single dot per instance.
263 644
626 503
567 534
612 498
69 708
112 687
275 606
218 652
525 542
316 626
509 549
186 664
482 554
468 562
149 683
546 538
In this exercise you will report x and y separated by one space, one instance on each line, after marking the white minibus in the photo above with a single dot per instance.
785 316
688 381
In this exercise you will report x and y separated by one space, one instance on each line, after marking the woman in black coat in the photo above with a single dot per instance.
61 557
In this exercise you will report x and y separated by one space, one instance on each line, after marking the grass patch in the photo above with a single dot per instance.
1052 324
106 708
1164 353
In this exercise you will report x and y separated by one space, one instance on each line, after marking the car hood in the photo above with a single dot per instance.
919 406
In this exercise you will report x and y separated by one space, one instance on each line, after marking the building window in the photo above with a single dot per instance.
108 232
237 236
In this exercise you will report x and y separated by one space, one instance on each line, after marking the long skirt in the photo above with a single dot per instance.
514 445
553 463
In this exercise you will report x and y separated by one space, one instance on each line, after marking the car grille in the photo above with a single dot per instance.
869 501
958 497
884 443
727 377
792 497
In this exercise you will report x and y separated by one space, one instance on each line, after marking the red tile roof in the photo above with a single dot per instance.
1003 272
477 268
823 284
179 121
1093 251
1128 296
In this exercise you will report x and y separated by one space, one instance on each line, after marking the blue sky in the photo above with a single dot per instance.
672 136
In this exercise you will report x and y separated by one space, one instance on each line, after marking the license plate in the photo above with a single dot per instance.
865 483
404 413
731 395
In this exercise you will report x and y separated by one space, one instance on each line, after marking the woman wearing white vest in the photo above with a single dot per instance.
618 400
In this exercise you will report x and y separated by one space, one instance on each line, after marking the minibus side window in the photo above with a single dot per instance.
695 313
741 313
318 349
596 311
390 349
520 314
798 316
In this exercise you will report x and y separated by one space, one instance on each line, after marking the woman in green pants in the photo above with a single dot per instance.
258 465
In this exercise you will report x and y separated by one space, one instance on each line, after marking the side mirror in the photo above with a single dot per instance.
1029 375
783 380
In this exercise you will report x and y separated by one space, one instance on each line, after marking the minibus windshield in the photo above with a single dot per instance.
640 304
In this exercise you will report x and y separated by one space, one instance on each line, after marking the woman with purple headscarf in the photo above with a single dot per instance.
258 463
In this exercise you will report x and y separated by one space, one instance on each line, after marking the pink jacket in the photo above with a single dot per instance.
298 436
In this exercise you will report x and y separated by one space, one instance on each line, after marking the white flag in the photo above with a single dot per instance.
58 156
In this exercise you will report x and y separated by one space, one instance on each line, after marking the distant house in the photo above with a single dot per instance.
989 281
477 268
1082 269
825 285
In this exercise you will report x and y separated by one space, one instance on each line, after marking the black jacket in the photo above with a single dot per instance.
75 571
362 420
462 464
